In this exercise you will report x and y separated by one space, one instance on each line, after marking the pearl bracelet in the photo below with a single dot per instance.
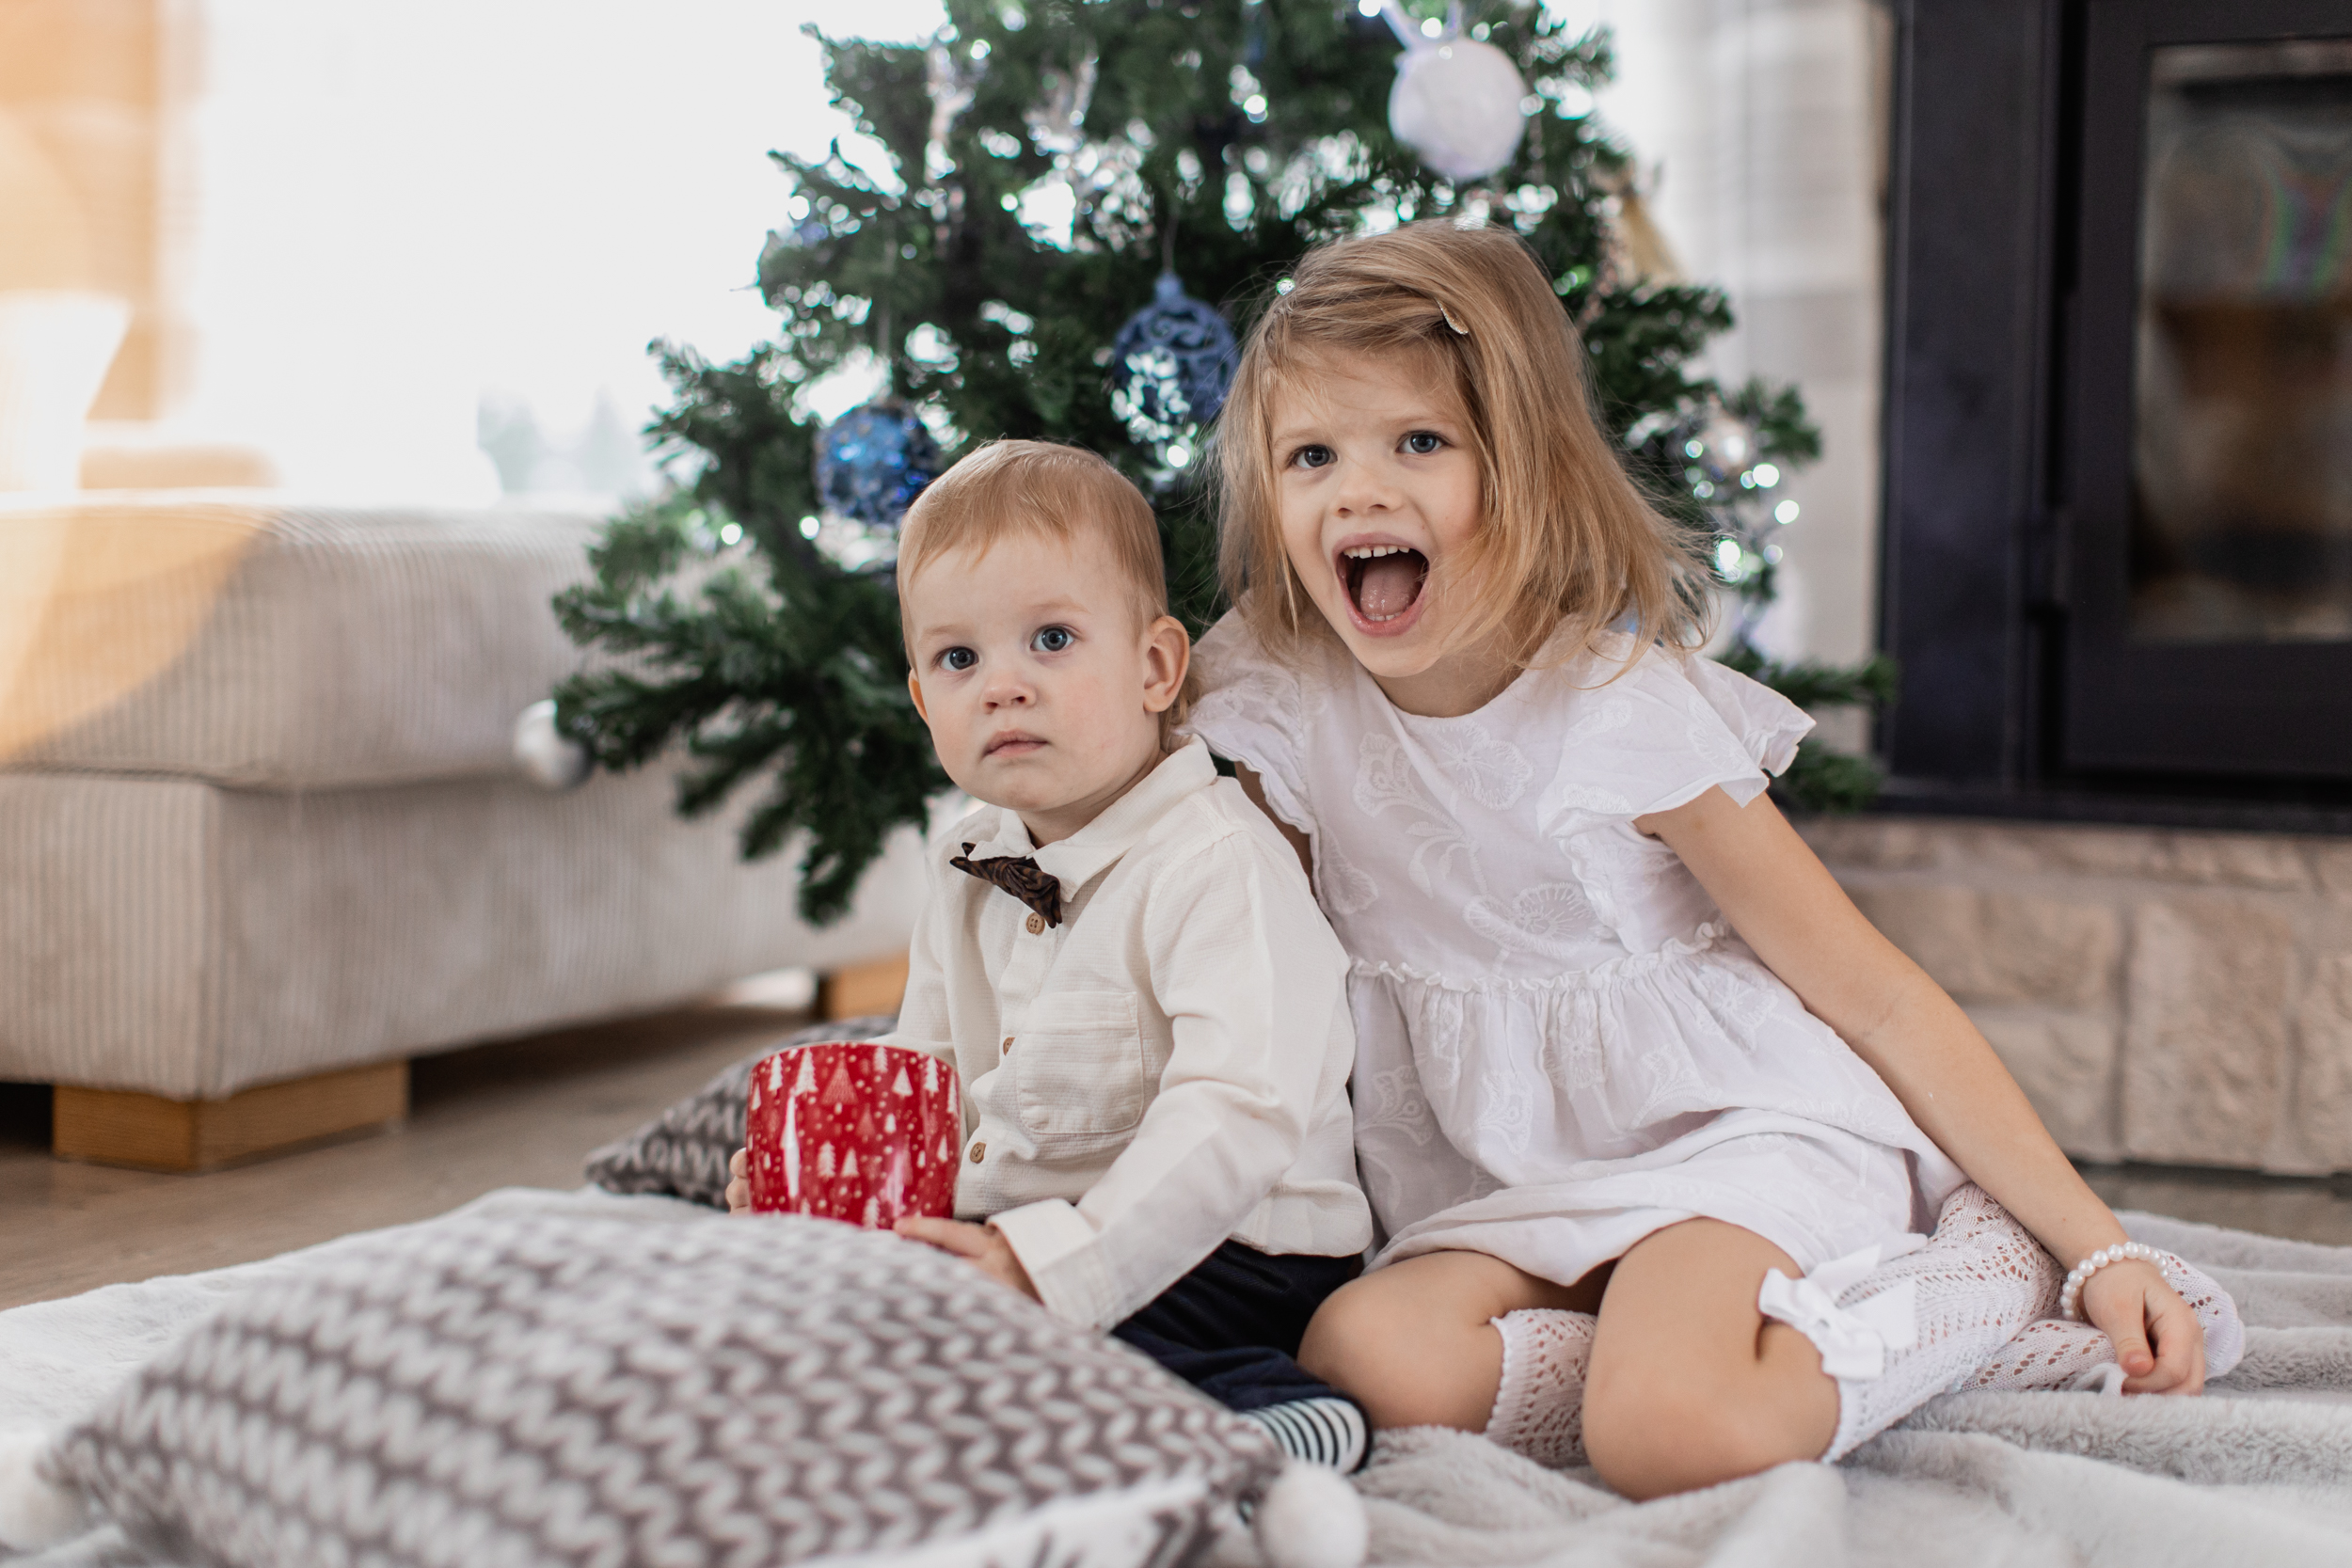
2070 1295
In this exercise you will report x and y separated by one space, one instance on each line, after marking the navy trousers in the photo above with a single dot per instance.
1232 1326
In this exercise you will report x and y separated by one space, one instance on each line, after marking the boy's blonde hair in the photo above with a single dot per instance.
1566 541
1045 491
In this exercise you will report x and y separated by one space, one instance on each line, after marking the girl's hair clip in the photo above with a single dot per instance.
1448 314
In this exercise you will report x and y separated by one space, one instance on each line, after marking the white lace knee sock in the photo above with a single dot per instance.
2053 1353
2059 1353
1540 1408
1976 1283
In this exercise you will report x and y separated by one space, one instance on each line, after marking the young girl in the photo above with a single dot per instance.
1623 1046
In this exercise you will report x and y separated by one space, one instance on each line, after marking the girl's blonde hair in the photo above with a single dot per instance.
1566 541
1047 490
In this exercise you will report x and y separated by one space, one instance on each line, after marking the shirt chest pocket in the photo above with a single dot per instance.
1079 1064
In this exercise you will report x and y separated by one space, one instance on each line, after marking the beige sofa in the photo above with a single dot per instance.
260 825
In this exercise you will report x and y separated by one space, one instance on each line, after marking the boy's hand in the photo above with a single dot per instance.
739 1189
985 1247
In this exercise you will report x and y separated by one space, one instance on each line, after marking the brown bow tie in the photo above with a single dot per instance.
1019 876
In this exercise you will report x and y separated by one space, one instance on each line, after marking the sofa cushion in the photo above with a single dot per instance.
770 1389
684 1151
177 937
331 648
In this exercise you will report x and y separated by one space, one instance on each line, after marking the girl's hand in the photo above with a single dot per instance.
739 1189
983 1246
2131 1304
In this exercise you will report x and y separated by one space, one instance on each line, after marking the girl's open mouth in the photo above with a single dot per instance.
1384 581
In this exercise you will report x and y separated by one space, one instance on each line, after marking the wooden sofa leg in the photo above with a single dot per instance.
862 989
119 1127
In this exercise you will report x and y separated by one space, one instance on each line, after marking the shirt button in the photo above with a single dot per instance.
1036 923
979 1152
1008 1045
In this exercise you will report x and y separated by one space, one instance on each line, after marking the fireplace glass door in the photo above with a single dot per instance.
2242 388
2212 394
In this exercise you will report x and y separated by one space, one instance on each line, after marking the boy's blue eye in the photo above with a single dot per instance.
1423 442
1312 456
1053 639
958 659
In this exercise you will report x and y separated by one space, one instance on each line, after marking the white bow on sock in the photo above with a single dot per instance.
1853 1341
1986 1294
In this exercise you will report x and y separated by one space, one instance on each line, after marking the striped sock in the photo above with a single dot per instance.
1322 1431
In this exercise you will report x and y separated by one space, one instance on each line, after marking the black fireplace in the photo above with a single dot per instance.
2119 421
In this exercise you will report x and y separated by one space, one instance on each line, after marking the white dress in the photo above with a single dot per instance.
1560 1047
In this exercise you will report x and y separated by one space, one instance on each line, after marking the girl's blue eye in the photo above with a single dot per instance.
1421 443
1053 639
958 659
1313 457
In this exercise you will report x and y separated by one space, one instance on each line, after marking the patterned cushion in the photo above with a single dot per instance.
684 1151
608 1389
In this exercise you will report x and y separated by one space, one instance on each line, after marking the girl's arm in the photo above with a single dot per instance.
1786 905
1299 841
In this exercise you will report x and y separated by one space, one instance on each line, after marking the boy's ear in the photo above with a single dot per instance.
914 690
1167 655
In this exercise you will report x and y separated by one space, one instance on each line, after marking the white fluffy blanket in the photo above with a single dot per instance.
2257 1472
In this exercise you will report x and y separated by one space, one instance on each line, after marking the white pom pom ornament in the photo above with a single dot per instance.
1456 100
1309 1518
546 754
34 1510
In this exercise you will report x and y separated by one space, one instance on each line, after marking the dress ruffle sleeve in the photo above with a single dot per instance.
1253 712
1661 735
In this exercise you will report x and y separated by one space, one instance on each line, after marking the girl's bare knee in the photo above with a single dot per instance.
1352 1338
1654 1432
1334 1341
1404 1370
1353 1345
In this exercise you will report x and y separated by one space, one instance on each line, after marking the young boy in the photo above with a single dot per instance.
1120 956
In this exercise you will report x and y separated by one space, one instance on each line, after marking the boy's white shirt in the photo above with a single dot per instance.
1164 1070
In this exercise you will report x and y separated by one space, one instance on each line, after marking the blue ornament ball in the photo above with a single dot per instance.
1171 363
871 463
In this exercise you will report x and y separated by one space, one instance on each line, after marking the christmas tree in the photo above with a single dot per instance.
1049 161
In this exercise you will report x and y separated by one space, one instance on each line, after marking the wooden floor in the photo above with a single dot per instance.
523 1113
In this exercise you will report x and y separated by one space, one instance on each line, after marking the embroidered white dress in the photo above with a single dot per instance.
1560 1047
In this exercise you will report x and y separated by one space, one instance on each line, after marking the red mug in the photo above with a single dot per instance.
854 1131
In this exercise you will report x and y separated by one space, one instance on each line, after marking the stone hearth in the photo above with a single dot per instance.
2163 995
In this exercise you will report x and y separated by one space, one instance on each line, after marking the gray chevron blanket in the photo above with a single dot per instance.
2257 1472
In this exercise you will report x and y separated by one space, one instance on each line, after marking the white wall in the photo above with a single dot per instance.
403 209
1759 117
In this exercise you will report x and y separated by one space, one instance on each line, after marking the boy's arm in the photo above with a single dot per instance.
1251 977
1253 787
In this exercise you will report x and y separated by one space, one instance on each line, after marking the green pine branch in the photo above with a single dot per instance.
1809 683
1819 779
798 679
1831 781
